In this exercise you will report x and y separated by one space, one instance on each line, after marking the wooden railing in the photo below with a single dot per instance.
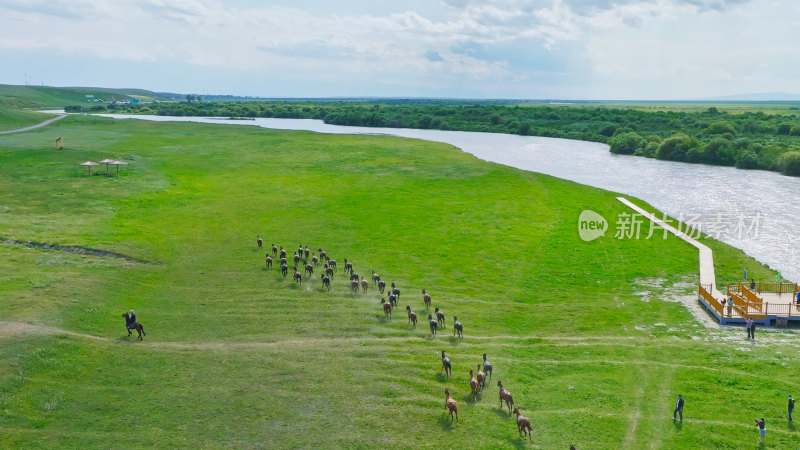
704 292
785 310
740 304
770 288
744 307
755 301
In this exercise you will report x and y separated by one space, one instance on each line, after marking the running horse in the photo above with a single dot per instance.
136 326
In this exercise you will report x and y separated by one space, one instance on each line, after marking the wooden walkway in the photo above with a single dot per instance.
768 302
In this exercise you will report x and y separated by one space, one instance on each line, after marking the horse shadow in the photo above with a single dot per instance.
445 424
441 377
519 442
502 413
454 340
472 401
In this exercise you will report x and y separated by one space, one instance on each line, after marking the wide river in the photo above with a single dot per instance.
755 210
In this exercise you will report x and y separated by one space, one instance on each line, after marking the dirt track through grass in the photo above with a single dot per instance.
237 356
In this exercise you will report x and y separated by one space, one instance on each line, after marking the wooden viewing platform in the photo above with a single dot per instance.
768 303
765 303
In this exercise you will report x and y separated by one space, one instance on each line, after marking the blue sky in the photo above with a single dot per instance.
564 49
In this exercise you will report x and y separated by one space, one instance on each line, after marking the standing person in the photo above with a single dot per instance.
791 407
730 305
762 429
752 329
259 242
678 408
752 285
748 324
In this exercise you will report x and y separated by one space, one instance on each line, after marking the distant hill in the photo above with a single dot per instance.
25 97
757 97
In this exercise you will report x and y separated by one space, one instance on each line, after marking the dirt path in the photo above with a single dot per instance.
12 328
8 329
38 125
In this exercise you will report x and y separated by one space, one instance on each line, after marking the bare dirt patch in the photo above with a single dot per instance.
74 249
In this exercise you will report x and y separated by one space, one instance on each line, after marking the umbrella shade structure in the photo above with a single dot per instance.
118 163
107 162
89 164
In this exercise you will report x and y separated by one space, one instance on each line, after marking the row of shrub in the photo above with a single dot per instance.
750 140
740 152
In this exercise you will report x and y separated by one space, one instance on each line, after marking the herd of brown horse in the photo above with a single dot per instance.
359 283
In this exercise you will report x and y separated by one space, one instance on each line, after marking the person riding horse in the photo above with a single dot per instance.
130 320
132 324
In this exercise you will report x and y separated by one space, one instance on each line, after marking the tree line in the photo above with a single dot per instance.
749 140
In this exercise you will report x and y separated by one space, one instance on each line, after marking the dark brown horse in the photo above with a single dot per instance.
136 326
427 299
448 370
505 396
439 317
412 316
326 282
523 424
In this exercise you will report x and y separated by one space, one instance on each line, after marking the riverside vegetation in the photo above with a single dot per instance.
767 138
236 355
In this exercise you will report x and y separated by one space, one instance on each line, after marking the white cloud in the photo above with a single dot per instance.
641 47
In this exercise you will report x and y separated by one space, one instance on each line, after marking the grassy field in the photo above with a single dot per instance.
18 104
236 355
12 118
59 97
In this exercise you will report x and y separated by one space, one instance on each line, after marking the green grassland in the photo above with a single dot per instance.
238 356
18 104
12 118
59 97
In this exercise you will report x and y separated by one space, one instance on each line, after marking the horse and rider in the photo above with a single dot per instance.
132 324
